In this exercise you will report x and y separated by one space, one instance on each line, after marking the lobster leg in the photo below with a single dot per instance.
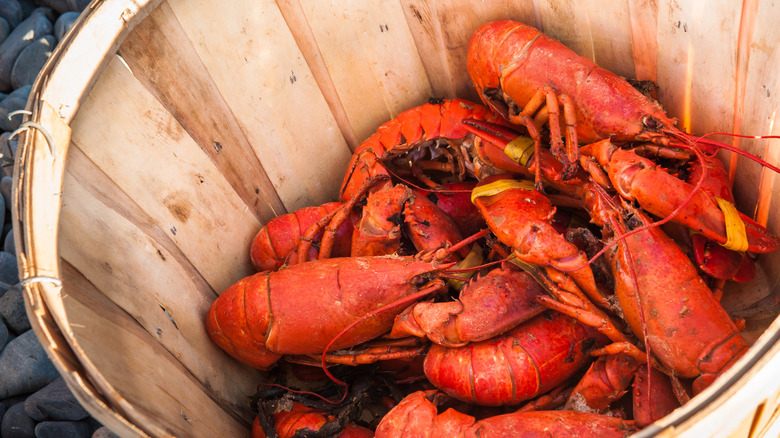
333 221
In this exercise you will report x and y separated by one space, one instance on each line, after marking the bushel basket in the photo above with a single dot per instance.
164 134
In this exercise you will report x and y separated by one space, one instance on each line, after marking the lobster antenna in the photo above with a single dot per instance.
433 287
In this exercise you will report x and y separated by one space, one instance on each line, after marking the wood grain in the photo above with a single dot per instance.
163 60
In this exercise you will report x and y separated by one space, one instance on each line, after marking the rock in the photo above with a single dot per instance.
62 6
29 30
13 400
62 429
24 366
9 271
8 244
12 310
27 7
6 185
5 29
47 12
17 424
3 335
2 214
11 12
55 402
15 101
104 432
64 23
30 61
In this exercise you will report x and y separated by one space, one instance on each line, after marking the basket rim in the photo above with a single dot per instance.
53 105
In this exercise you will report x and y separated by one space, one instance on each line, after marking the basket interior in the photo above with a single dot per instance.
211 120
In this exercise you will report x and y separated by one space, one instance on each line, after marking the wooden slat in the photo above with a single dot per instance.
164 171
754 186
581 24
162 58
644 28
265 81
696 63
149 278
146 375
369 54
441 31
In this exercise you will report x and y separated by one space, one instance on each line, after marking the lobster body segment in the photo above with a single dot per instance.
521 364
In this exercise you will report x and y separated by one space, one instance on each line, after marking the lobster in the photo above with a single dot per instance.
635 177
413 133
379 230
525 362
487 306
300 309
301 419
607 379
521 218
532 79
653 396
281 235
417 416
688 330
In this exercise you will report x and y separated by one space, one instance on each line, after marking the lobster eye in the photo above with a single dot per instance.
650 122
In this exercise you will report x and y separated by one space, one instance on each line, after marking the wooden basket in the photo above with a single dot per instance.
177 128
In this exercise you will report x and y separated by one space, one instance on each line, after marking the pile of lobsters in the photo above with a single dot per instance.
534 256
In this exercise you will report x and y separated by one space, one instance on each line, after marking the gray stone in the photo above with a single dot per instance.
54 402
62 429
104 432
29 30
30 60
8 147
64 23
2 214
62 6
17 424
9 272
15 101
5 29
6 185
11 11
47 12
24 366
3 335
27 7
12 310
9 243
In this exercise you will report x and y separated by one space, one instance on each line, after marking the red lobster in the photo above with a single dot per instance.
282 234
687 330
519 365
638 178
413 132
417 416
302 308
488 306
527 77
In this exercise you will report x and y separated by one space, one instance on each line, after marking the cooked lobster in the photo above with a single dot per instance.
417 416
